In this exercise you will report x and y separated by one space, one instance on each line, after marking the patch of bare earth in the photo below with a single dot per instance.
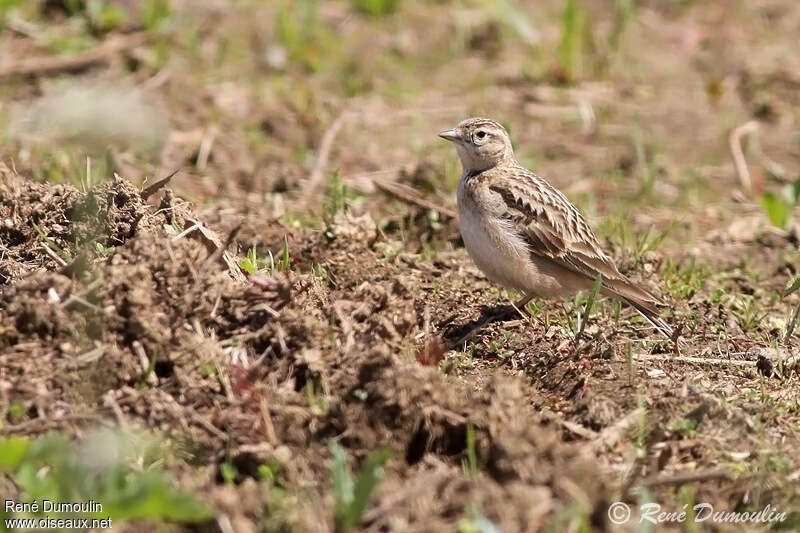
151 329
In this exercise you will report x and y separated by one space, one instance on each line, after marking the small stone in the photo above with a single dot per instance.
52 296
276 57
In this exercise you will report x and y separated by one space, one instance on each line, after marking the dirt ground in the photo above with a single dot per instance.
126 304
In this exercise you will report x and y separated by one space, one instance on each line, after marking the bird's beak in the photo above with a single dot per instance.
450 135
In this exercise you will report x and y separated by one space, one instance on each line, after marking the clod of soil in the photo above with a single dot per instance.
154 330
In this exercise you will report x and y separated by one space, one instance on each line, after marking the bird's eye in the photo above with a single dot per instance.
481 134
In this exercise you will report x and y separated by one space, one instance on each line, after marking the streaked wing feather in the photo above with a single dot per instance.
544 239
553 228
556 230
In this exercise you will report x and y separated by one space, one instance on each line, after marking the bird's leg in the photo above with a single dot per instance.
562 309
524 301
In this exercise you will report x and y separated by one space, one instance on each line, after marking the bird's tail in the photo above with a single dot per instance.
652 317
646 304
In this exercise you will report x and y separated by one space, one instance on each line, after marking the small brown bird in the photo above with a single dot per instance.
524 233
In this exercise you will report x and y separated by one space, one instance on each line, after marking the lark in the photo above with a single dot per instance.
525 234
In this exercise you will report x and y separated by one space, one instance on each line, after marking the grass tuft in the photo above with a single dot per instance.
570 50
353 496
375 8
780 207
471 461
252 263
792 286
335 197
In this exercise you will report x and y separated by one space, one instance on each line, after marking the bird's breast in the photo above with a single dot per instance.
500 250
496 248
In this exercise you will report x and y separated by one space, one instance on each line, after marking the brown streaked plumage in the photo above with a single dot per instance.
524 233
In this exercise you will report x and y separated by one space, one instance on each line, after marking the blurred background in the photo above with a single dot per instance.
673 124
677 105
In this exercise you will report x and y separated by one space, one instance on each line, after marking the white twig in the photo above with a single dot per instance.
35 66
792 324
588 117
739 161
318 172
156 81
187 231
204 152
52 254
17 24
410 195
111 402
612 434
266 419
225 524
577 429
697 360
144 361
206 424
685 477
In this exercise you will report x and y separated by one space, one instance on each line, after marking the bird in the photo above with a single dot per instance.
525 234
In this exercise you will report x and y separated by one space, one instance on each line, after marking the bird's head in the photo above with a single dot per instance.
481 143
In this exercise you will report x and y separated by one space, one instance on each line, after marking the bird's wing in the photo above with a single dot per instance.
555 230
